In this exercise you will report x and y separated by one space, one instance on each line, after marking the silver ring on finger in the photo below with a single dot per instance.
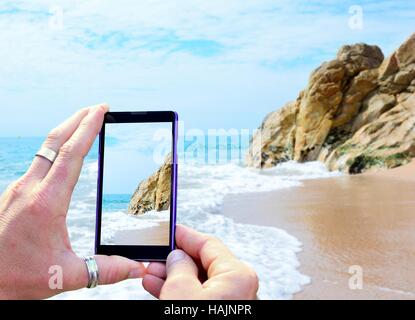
93 272
47 154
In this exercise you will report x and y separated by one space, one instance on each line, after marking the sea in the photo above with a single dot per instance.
272 252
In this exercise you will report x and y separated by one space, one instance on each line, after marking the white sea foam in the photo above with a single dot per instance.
120 220
202 188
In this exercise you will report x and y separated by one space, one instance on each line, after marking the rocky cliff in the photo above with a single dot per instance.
356 113
154 192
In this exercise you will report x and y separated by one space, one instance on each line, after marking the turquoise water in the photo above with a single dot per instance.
116 202
16 155
201 195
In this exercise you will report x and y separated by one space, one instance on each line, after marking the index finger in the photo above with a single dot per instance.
66 170
55 140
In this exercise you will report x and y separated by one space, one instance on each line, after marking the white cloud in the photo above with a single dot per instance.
44 67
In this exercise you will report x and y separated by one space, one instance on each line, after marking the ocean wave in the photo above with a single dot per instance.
202 189
120 220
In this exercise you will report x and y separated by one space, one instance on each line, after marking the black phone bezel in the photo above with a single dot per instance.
138 253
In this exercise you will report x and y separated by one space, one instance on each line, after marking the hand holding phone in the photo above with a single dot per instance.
137 185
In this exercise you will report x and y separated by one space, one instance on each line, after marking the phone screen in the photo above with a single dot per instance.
137 184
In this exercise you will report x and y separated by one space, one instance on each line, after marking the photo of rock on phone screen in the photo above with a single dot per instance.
137 184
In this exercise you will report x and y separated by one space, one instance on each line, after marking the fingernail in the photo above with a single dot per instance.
175 256
136 273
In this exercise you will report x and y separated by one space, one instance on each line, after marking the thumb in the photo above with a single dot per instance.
113 269
182 277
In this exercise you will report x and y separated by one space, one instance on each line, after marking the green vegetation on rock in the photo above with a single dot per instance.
356 113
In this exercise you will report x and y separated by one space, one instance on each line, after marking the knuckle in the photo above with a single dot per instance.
61 172
213 243
85 123
53 135
67 150
38 203
71 150
112 275
212 240
16 189
26 179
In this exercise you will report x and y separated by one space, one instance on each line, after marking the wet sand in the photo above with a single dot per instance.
155 236
366 220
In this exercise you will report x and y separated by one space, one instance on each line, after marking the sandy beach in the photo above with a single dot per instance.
154 236
365 220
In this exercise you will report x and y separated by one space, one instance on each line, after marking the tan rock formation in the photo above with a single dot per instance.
386 142
154 192
339 118
274 142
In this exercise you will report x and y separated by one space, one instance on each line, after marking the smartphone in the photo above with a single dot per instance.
137 185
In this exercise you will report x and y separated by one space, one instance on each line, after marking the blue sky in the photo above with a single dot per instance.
144 143
218 63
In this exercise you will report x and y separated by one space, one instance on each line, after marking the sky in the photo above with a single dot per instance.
218 63
128 145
